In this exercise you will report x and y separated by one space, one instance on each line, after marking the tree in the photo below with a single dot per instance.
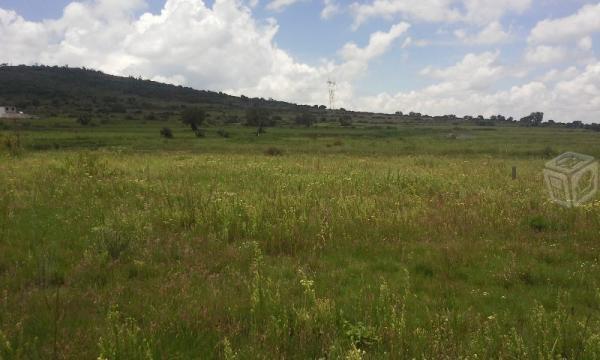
259 117
535 119
346 120
166 133
84 120
194 117
305 119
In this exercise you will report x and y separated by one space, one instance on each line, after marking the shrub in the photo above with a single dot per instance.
539 223
194 117
123 339
84 120
12 143
305 119
222 133
232 119
199 133
259 117
273 151
549 152
166 133
260 130
346 120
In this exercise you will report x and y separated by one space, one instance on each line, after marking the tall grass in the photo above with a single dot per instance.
238 255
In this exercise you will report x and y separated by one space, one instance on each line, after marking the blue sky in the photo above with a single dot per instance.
432 56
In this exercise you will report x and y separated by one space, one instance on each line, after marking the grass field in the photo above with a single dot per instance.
370 242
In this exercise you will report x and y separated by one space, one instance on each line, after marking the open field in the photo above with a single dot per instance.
389 241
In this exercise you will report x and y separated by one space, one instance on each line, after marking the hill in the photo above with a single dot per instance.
46 90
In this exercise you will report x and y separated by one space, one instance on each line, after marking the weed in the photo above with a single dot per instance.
123 339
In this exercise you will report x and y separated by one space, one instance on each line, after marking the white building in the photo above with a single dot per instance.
8 111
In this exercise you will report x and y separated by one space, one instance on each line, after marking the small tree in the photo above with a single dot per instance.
346 120
306 119
166 133
194 117
535 119
84 120
259 117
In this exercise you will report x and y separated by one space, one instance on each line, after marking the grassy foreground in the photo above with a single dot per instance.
382 243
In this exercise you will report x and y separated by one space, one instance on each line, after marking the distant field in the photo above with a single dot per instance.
378 241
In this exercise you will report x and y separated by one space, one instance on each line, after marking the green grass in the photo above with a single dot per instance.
380 242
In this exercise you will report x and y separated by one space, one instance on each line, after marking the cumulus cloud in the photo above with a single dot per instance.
585 22
485 11
471 11
473 72
330 8
424 10
585 43
544 54
566 95
492 34
278 5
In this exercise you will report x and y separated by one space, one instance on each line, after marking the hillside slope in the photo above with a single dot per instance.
63 90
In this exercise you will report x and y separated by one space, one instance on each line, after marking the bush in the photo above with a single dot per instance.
259 117
273 151
199 133
222 133
260 130
346 120
539 223
232 119
12 143
166 133
194 117
305 119
549 152
84 120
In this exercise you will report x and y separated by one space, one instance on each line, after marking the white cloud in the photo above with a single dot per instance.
304 83
570 95
278 5
471 11
544 54
330 8
219 48
585 43
489 35
423 10
586 21
379 42
473 72
556 75
485 11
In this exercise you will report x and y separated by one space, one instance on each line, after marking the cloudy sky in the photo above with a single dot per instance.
464 57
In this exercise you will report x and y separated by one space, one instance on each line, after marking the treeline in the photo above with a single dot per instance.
535 119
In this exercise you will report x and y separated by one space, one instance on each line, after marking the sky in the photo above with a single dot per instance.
463 57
